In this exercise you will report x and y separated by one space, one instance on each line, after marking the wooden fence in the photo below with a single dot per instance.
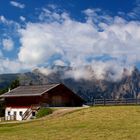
2 119
105 102
8 118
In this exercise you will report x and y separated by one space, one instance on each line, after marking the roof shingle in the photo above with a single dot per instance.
35 90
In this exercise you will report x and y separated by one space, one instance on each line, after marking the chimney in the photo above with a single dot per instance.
9 90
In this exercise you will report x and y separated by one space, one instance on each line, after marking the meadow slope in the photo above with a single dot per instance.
94 123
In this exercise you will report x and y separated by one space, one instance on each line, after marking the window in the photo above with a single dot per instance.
15 113
33 114
8 113
20 113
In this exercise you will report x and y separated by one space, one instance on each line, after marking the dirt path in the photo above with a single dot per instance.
62 111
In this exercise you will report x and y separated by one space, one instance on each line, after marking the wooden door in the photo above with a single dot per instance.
57 101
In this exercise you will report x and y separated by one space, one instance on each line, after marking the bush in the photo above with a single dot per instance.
43 112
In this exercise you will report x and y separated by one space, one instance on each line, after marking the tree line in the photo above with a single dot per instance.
13 85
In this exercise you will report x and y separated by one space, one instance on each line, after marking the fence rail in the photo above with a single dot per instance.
130 101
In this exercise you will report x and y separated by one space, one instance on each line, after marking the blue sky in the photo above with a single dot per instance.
73 7
40 33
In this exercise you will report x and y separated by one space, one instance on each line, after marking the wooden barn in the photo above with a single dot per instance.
24 101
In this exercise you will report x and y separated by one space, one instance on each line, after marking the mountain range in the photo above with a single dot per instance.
128 86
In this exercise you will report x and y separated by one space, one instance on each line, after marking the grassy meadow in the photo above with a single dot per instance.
94 123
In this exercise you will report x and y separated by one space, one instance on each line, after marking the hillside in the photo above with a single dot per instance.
6 79
94 123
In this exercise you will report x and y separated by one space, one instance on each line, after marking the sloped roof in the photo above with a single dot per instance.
35 90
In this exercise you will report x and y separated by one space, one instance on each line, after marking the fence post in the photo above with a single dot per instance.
94 102
136 100
104 101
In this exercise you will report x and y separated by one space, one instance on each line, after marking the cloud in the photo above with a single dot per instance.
134 13
50 15
81 43
8 44
9 32
59 63
9 24
7 36
22 18
12 66
102 42
17 4
96 16
45 71
3 19
36 34
79 73
52 6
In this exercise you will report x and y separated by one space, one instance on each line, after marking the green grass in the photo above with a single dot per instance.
43 112
94 123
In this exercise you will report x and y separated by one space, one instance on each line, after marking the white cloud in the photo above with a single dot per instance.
96 16
76 42
12 66
41 50
8 44
79 73
17 4
72 37
49 16
3 19
52 6
68 37
134 13
22 18
59 63
45 71
92 12
9 24
99 70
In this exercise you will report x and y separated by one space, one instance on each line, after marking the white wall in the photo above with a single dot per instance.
12 110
